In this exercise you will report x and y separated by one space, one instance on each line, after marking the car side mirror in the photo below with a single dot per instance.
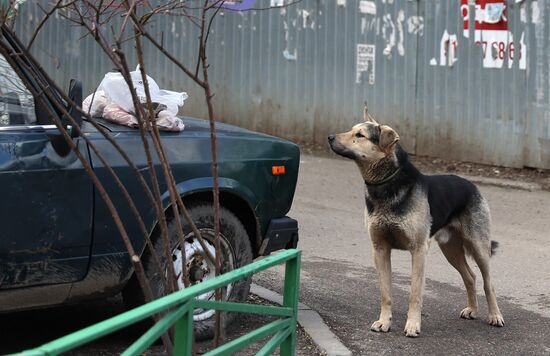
75 94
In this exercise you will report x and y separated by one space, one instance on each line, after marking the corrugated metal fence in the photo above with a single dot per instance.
476 92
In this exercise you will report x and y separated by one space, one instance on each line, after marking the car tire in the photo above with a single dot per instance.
236 252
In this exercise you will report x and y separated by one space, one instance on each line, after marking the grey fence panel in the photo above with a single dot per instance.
468 110
537 88
304 71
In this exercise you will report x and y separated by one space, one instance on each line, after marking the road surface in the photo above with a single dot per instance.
339 281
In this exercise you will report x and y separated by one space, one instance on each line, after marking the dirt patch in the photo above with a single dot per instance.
441 165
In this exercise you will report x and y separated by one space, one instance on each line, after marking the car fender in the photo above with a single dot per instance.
196 185
205 184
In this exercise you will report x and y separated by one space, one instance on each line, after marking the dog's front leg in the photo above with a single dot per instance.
412 327
382 262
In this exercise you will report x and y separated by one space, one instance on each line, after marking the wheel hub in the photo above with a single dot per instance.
196 274
199 267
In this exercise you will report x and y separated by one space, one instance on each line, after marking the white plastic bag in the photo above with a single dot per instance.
117 91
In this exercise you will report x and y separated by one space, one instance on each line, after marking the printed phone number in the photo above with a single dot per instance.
501 48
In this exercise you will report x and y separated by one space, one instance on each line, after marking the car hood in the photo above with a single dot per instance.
192 125
198 125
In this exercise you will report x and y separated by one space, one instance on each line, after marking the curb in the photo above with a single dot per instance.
311 321
503 183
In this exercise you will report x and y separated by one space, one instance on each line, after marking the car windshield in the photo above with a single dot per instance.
27 67
16 102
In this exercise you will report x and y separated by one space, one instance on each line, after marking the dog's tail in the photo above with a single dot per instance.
494 246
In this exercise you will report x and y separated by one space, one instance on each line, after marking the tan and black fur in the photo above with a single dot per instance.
405 209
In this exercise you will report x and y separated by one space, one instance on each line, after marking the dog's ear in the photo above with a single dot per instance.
366 116
388 139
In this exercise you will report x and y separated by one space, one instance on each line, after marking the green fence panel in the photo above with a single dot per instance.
290 299
251 337
177 310
274 343
157 330
244 308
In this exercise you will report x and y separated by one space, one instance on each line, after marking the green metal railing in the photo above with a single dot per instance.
180 306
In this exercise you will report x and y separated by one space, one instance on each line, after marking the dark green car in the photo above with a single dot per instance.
59 243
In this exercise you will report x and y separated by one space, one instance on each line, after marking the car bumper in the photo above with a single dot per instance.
282 233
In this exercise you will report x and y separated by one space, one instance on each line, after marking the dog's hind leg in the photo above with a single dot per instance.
482 255
453 249
477 241
381 252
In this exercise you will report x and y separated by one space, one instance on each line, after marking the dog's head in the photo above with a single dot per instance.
368 141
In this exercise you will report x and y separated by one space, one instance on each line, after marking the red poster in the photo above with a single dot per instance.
489 14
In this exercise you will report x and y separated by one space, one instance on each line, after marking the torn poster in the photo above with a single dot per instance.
535 12
447 49
238 5
415 25
367 7
365 62
490 15
492 34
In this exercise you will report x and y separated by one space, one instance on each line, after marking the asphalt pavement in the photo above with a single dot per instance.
339 281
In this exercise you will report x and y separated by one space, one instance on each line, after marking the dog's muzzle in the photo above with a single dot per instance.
338 148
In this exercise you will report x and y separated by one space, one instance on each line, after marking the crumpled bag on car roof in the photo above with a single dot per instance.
114 113
164 119
95 103
116 89
113 101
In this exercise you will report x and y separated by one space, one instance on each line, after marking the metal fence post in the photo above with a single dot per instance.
183 340
290 299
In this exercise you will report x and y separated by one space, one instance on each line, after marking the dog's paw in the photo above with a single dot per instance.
381 326
468 313
496 320
412 328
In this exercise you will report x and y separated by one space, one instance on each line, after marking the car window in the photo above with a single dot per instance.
16 102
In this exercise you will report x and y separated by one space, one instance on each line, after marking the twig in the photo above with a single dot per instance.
218 335
42 22
162 156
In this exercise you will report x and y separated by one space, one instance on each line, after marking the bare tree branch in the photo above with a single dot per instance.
43 21
45 97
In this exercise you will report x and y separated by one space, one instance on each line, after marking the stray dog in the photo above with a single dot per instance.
405 209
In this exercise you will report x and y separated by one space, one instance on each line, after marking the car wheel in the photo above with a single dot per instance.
235 252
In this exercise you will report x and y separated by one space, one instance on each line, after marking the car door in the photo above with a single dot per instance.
46 197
